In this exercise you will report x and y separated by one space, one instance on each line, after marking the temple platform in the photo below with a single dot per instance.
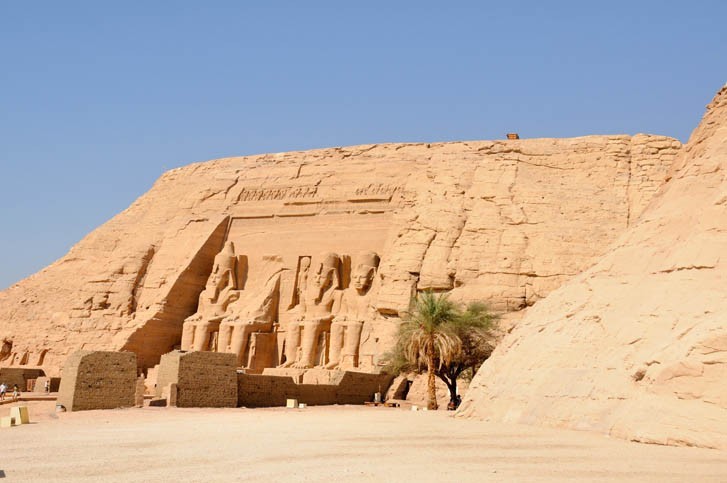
309 386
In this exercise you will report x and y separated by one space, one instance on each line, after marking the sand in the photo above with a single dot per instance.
340 443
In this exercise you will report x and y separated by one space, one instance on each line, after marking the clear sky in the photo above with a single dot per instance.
98 99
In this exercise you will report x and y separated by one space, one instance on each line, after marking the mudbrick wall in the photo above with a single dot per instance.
202 379
98 380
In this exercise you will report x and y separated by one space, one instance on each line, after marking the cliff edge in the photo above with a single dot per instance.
636 346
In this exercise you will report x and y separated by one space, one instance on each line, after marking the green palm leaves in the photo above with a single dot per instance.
444 339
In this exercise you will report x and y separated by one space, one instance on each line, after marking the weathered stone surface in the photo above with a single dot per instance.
507 221
199 379
418 391
98 380
54 383
635 347
317 387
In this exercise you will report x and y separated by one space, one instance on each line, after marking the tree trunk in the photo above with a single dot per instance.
453 392
451 382
431 380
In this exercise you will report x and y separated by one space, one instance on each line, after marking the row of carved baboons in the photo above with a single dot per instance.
321 306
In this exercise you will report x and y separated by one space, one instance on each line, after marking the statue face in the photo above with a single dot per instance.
214 278
362 277
322 277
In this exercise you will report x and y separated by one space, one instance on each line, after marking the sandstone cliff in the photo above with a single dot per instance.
635 347
508 221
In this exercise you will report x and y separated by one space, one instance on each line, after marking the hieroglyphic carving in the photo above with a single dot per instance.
276 193
380 189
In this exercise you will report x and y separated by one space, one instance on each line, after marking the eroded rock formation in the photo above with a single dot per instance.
232 247
636 346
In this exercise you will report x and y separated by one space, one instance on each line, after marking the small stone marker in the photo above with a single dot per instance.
20 413
291 403
7 421
302 406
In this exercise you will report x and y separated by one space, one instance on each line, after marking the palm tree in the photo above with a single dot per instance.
474 328
444 339
429 338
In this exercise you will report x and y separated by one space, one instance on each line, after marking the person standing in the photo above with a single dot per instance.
3 389
16 392
47 386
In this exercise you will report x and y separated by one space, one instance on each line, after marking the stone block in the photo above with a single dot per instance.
54 384
198 379
98 380
20 414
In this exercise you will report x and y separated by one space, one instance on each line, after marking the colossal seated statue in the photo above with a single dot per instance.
355 309
255 311
220 291
318 294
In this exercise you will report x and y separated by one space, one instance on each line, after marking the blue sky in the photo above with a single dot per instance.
100 98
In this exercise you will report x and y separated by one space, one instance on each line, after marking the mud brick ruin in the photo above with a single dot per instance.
198 379
98 380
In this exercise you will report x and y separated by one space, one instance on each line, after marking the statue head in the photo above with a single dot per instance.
224 264
325 274
362 275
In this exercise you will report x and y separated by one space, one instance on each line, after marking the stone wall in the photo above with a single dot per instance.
98 380
19 375
260 391
321 388
201 379
39 385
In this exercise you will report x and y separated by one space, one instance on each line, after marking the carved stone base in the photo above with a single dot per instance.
296 374
309 386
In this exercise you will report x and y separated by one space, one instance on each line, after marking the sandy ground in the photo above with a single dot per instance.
325 444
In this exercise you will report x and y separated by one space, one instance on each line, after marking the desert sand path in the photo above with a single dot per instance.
326 444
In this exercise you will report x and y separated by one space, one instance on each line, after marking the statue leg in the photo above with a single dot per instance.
188 329
311 332
334 351
201 337
350 347
240 337
292 342
225 337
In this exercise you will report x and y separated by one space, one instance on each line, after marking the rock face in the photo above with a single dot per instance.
309 258
636 346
